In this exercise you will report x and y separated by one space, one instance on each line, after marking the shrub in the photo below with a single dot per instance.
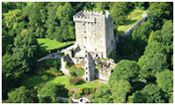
77 95
44 77
76 71
86 91
54 72
76 80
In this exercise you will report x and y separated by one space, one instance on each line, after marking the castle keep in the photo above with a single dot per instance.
94 43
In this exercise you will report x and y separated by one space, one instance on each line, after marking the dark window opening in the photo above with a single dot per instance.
86 78
85 37
84 31
96 55
72 53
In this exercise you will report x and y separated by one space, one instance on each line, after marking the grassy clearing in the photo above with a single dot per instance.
65 81
49 44
31 81
133 16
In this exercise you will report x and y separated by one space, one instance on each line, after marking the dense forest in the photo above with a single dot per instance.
144 70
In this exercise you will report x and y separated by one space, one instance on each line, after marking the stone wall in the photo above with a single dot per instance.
129 31
104 68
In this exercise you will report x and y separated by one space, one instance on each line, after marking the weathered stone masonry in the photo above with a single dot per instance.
94 40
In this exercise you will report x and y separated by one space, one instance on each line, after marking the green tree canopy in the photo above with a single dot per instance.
157 12
10 67
137 97
26 49
101 6
165 82
153 60
59 23
150 94
120 89
102 95
158 52
51 93
153 94
125 70
36 17
118 12
20 95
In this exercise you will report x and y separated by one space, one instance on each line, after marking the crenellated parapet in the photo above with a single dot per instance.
87 16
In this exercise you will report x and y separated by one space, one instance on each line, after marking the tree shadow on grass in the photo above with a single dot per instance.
34 79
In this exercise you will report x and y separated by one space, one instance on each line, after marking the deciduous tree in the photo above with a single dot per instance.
20 95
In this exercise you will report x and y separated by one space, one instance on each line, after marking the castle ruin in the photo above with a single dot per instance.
94 42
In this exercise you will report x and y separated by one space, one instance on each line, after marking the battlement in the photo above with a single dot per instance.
87 16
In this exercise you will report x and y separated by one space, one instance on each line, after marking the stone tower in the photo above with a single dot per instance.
94 40
94 33
89 67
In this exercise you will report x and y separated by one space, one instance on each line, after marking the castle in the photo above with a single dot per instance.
94 42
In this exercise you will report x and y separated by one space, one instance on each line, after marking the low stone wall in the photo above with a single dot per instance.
129 31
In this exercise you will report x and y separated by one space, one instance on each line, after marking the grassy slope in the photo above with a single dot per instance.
31 81
65 81
133 16
52 44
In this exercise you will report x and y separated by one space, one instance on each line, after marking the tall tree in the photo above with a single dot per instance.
36 13
158 53
60 26
26 50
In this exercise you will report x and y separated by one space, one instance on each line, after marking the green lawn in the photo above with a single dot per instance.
49 44
31 81
133 16
65 81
